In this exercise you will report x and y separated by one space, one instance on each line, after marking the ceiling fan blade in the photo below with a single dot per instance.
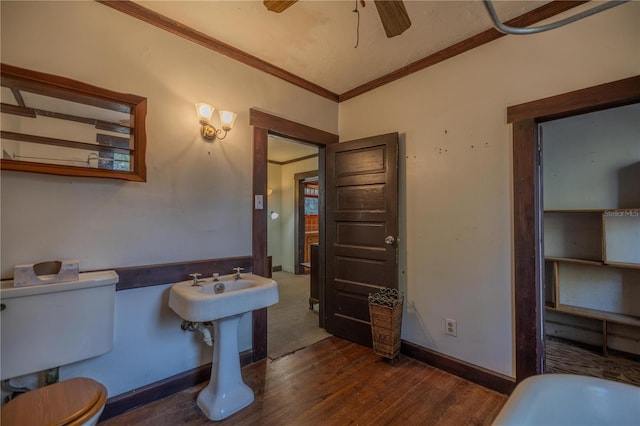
278 5
394 16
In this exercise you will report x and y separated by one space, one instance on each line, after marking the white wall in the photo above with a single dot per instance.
456 161
583 157
197 201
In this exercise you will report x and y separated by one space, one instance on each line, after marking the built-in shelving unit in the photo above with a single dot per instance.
592 265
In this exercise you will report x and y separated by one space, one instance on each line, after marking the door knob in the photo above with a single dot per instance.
389 240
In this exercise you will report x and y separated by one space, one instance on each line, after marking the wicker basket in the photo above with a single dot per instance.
386 325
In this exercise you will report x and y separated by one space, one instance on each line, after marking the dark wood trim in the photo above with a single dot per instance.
136 11
67 89
259 233
149 16
259 337
290 129
259 236
306 157
140 134
547 11
264 123
527 206
603 96
322 167
473 373
165 273
295 160
527 251
17 110
147 394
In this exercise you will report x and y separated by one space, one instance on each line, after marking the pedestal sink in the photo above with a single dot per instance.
226 392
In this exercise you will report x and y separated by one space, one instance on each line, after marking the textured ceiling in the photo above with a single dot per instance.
315 40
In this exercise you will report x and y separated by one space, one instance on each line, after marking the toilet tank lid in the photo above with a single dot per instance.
85 280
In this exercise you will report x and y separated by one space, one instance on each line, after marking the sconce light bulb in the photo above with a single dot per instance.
204 111
227 118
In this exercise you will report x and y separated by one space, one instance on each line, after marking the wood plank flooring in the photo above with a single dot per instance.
570 358
337 382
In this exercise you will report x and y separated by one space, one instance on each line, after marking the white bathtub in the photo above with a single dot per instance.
567 399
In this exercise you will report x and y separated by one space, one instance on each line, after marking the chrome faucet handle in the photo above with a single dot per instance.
238 269
195 278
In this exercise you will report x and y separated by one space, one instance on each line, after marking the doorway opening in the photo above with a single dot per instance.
591 228
264 124
529 263
293 190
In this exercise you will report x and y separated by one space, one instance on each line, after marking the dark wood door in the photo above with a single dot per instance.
361 231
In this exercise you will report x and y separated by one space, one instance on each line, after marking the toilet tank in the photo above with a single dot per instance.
46 326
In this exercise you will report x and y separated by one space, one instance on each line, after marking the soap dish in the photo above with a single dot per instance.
52 272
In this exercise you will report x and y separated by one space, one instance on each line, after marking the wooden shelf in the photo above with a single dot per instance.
599 315
623 265
592 264
571 260
598 211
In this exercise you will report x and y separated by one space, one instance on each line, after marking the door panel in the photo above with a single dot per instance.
362 210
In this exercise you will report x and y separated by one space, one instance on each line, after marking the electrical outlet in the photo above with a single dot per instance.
450 327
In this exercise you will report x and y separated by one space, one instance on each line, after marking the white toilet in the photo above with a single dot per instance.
51 325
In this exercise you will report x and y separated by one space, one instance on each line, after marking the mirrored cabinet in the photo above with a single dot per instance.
55 125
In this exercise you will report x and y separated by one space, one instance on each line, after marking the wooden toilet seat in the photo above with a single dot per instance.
71 402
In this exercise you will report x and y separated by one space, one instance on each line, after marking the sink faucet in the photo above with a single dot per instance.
195 279
237 275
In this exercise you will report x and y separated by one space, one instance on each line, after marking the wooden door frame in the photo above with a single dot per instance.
263 124
527 206
299 213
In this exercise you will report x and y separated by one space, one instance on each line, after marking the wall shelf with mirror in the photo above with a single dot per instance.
55 125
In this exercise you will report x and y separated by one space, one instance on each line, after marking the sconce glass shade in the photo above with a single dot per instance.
207 130
205 112
227 118
274 215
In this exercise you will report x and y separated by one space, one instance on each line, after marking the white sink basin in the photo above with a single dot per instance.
226 392
201 303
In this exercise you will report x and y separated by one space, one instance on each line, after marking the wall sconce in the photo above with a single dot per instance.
274 215
207 130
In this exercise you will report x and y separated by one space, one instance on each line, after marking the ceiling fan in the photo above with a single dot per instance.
393 14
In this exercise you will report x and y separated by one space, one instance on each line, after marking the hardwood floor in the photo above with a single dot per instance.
337 382
563 356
